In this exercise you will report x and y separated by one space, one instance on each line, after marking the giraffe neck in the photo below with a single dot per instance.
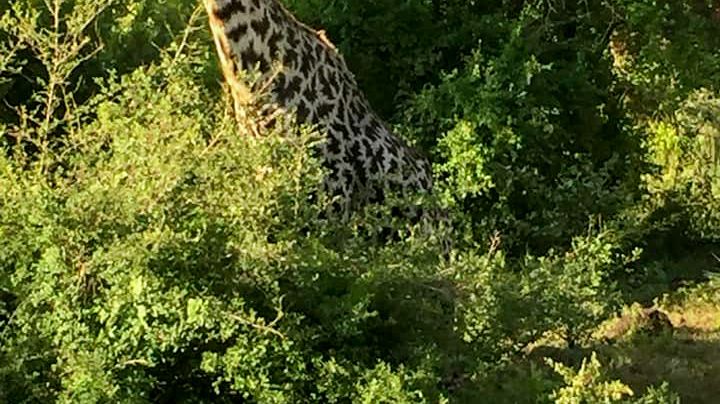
260 35
361 152
256 33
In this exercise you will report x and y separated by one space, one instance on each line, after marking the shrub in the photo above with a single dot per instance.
590 384
532 143
587 385
686 148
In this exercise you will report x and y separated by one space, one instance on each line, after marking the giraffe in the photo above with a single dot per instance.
363 157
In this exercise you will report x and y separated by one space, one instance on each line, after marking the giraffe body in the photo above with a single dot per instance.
363 156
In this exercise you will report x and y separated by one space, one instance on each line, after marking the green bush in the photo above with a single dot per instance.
587 385
590 384
96 39
158 255
663 51
532 143
686 148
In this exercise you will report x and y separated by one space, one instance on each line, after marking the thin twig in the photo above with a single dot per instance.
186 34
258 326
142 362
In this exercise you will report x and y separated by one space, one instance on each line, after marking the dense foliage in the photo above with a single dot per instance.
152 251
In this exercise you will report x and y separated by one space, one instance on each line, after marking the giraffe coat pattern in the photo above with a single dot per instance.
364 158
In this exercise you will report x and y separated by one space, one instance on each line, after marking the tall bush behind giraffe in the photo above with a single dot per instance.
149 254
